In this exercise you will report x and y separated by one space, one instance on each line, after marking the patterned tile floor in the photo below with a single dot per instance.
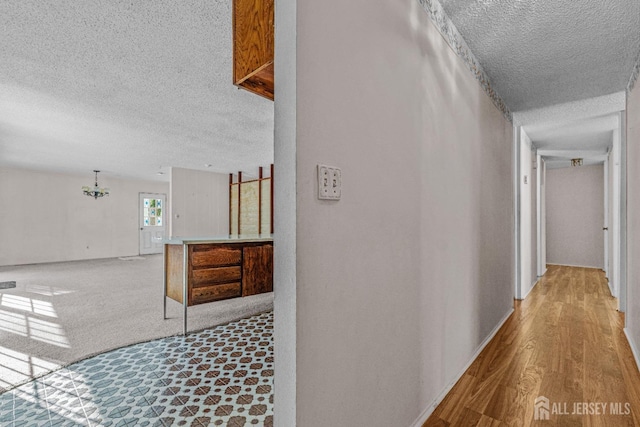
218 377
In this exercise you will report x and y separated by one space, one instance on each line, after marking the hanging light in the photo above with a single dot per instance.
576 162
95 191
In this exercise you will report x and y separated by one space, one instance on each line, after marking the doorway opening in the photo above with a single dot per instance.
545 143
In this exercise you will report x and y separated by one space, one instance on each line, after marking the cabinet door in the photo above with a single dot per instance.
253 46
257 269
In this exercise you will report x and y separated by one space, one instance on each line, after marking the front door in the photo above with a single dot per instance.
152 222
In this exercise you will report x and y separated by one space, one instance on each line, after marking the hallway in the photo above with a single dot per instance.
566 342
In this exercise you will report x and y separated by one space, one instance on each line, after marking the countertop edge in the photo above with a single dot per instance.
212 240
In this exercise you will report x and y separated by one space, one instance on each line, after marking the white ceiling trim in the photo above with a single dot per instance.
452 36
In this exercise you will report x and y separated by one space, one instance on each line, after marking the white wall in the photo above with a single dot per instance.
575 215
199 203
633 219
528 216
394 287
44 217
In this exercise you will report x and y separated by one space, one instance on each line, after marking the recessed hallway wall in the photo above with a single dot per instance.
575 216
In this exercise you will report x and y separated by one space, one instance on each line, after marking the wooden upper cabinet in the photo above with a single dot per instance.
253 45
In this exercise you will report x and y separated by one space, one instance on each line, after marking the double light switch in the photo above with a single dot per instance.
329 182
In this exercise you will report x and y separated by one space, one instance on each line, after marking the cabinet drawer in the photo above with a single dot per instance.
208 276
213 256
215 292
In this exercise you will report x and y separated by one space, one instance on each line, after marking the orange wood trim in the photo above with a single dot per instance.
254 73
234 47
260 200
239 198
271 198
230 188
261 84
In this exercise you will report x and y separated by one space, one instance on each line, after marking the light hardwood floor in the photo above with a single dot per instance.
564 341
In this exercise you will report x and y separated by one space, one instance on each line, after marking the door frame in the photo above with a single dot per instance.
165 216
540 215
622 188
606 224
516 189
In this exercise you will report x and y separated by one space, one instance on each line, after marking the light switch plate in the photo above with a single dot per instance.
329 182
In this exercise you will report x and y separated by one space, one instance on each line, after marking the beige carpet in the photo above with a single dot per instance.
60 313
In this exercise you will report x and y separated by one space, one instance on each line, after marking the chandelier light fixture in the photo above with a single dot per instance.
576 162
95 191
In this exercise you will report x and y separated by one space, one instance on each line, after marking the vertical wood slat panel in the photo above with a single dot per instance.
230 198
251 205
249 208
233 205
260 201
271 197
239 202
265 206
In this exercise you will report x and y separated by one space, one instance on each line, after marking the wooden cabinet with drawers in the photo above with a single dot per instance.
215 272
207 271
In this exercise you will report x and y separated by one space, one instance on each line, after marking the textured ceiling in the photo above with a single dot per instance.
578 129
546 52
589 139
130 88
133 88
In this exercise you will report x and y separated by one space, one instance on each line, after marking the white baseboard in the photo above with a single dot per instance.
634 349
611 288
533 285
579 266
429 410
